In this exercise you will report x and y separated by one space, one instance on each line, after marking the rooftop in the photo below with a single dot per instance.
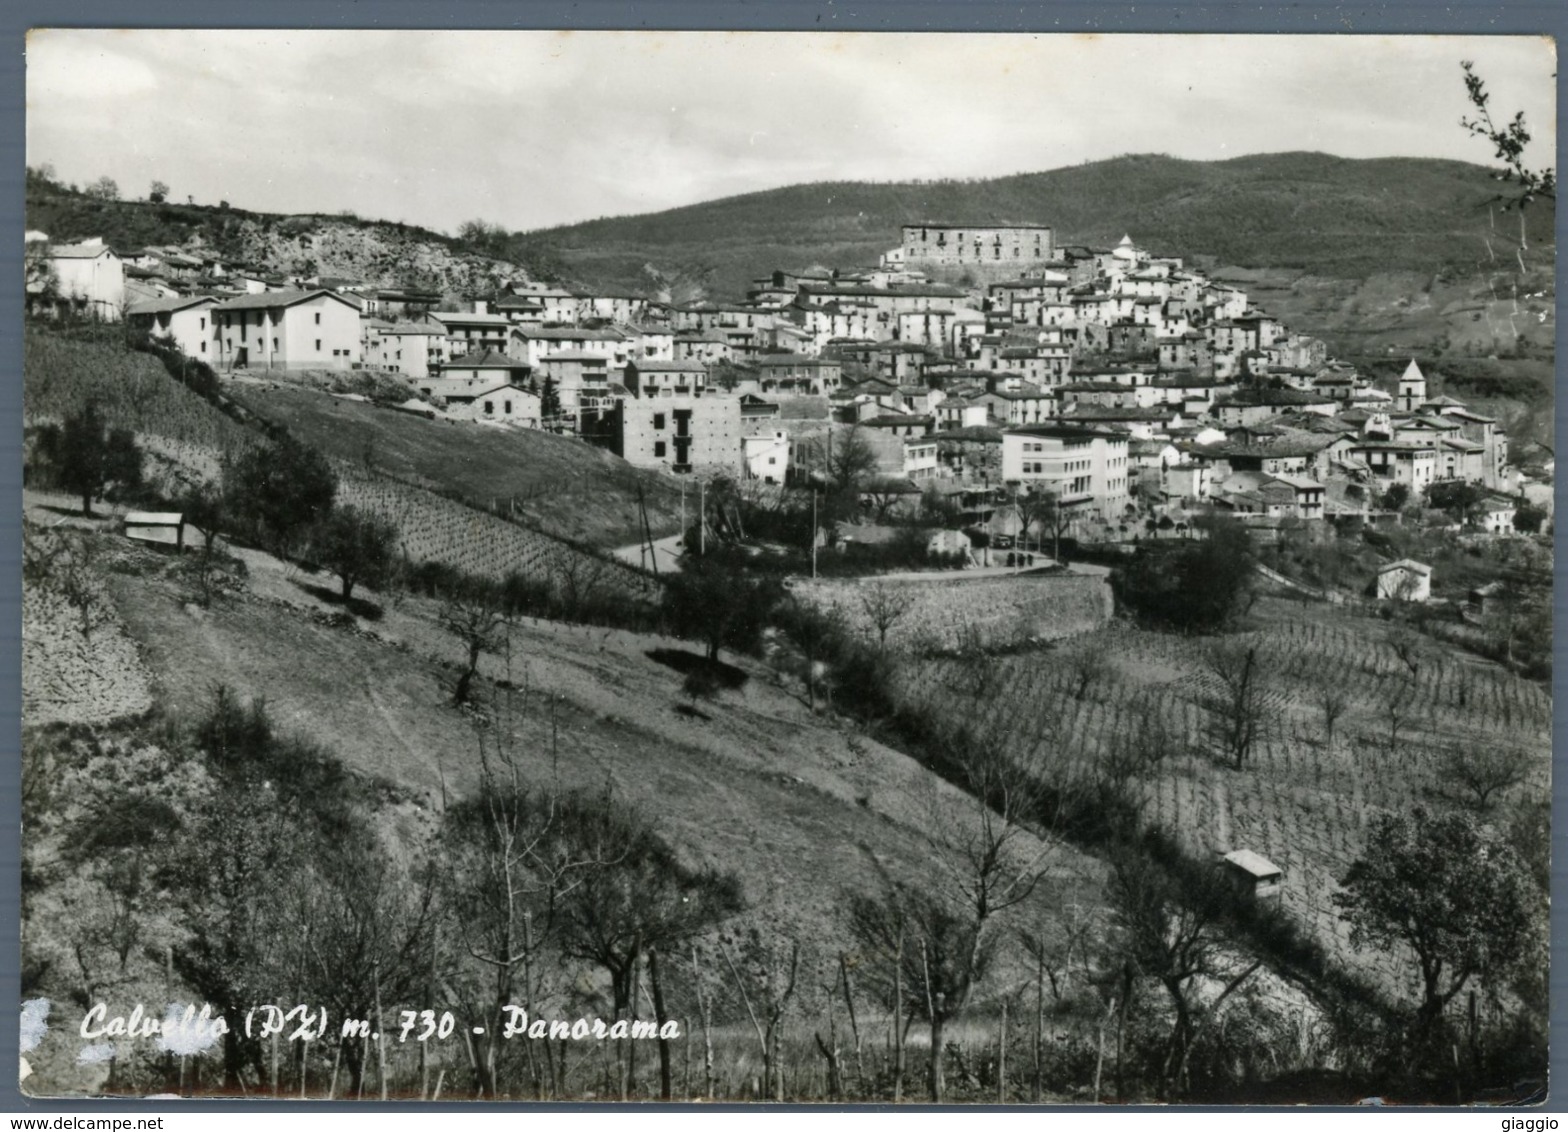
271 299
485 359
1255 864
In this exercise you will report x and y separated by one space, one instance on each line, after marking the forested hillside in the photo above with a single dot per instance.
1309 212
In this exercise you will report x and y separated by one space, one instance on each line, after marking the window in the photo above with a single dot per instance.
204 345
489 407
658 422
318 344
318 318
204 324
658 448
506 407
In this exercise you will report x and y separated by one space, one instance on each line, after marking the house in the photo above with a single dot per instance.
1409 464
647 377
1304 495
506 404
754 408
414 349
187 321
766 456
484 365
1189 483
963 412
469 333
1486 597
1405 580
682 434
798 374
1253 875
581 380
973 452
90 277
288 330
1496 516
1019 407
535 343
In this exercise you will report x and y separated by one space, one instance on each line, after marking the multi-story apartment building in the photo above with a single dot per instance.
1084 468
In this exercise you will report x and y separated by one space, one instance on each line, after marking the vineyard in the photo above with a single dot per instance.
131 390
434 529
187 438
1302 800
560 484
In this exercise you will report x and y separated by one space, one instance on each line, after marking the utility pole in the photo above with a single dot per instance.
813 533
702 519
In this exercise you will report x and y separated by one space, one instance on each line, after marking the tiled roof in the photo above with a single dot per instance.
485 359
271 299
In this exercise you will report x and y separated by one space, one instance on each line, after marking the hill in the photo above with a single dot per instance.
382 253
801 811
1305 212
437 483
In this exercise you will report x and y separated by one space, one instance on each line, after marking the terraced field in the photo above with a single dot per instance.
1302 801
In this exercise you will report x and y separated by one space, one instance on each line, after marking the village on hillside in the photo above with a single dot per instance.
977 363
778 648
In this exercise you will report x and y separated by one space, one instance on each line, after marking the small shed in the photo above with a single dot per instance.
1253 874
1485 597
1405 580
166 528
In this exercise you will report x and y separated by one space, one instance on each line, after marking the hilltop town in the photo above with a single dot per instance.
975 363
1011 566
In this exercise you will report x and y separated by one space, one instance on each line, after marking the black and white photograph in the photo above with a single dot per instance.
829 568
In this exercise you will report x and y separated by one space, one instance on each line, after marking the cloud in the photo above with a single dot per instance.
533 129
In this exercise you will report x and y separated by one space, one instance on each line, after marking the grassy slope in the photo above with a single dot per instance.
1304 211
562 485
763 787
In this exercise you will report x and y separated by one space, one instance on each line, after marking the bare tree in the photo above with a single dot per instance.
1170 932
580 578
1046 511
508 864
885 607
1478 774
813 633
991 846
1089 667
1409 648
851 461
1332 698
475 615
1239 710
766 980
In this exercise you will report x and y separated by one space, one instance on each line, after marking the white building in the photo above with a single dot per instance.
288 330
187 321
766 456
91 276
1084 468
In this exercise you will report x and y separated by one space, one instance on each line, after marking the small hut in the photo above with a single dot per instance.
1253 874
1405 580
165 528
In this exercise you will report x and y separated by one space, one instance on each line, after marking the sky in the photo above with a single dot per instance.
535 129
